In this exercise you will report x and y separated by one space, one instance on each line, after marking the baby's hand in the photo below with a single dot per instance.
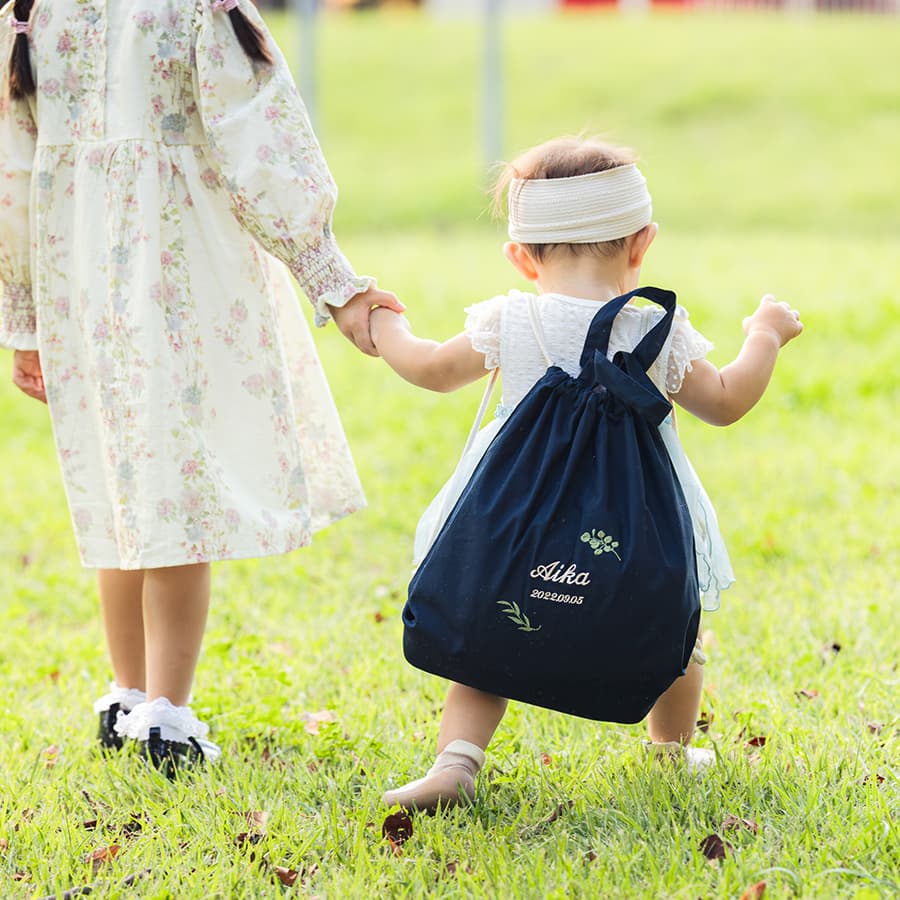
776 318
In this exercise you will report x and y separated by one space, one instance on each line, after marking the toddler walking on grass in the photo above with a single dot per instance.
152 157
580 226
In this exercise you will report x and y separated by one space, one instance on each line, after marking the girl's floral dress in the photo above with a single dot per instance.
144 192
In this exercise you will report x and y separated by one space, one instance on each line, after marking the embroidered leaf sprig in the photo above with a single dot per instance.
601 542
517 616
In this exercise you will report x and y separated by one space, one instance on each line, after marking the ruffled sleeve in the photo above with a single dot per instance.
483 329
263 147
685 345
18 137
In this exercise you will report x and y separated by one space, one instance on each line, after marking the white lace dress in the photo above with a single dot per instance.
142 190
501 329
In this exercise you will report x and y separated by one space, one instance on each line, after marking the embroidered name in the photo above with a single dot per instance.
557 572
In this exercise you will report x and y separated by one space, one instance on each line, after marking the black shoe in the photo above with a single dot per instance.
109 738
171 757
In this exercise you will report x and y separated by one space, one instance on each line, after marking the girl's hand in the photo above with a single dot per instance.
353 318
27 374
778 319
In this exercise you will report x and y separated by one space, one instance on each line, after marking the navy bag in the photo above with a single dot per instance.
565 575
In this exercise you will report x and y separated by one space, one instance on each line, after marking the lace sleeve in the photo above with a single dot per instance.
685 345
483 329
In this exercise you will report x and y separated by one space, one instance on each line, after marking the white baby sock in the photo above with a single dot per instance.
451 780
127 698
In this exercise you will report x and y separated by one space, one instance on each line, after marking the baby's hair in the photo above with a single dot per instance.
21 78
563 157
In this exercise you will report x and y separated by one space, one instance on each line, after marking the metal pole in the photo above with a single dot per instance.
307 11
492 92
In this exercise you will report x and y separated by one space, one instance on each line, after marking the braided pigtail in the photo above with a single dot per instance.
21 78
249 35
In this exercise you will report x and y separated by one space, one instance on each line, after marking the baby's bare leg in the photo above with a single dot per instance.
121 603
470 719
470 715
674 716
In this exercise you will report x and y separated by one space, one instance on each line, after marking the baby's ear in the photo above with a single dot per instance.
521 259
640 244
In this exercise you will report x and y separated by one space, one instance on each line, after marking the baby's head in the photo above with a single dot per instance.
574 197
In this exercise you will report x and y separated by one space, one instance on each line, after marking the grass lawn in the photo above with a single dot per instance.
771 146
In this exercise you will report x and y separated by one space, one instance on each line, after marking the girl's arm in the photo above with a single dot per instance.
427 364
723 397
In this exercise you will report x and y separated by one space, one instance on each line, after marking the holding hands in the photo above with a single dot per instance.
353 318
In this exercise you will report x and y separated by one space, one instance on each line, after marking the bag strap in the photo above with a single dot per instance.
538 330
650 345
482 409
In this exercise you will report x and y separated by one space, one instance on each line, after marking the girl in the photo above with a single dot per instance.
152 155
580 225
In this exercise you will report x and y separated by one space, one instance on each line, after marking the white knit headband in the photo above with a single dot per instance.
584 209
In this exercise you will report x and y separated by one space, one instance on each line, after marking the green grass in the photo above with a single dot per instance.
771 148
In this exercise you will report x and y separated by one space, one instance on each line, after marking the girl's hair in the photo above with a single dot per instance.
563 158
21 78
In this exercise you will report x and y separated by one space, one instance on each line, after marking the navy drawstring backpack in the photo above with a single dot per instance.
565 575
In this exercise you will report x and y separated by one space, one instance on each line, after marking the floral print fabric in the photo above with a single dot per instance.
141 193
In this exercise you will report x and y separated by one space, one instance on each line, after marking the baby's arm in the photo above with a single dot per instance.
723 397
428 364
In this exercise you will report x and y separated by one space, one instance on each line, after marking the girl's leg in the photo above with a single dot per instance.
470 719
175 606
674 716
121 604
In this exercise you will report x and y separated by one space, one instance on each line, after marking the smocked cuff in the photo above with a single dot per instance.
327 278
18 322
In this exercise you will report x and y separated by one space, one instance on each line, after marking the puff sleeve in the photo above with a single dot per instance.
685 345
483 321
18 138
263 148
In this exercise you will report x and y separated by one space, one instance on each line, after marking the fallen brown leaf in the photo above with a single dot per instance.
758 741
19 875
808 694
546 759
755 891
705 720
286 876
4 845
733 823
51 756
875 727
559 811
397 829
314 720
89 825
877 778
101 855
257 828
378 617
713 847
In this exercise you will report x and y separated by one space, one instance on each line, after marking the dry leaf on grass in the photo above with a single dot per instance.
757 741
706 719
559 811
713 847
733 823
755 891
875 727
314 720
19 875
877 778
256 831
397 829
97 858
807 693
378 617
546 759
4 845
50 756
286 876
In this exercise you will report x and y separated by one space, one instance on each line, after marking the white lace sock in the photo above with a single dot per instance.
696 759
451 780
127 698
175 723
